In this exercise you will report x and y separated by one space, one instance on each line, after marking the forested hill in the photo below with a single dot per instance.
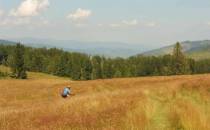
193 49
106 48
6 42
80 66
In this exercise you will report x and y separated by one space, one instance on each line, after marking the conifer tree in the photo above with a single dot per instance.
179 63
17 64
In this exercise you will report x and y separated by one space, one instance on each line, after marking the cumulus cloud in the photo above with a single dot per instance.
22 15
30 8
80 14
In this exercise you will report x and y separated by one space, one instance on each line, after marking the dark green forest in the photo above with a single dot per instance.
80 66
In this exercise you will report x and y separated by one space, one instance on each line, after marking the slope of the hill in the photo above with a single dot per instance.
152 103
32 75
193 49
6 42
109 49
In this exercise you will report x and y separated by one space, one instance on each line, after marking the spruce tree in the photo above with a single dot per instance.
179 65
17 65
97 72
61 65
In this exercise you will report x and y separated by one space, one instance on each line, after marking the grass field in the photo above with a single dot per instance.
153 103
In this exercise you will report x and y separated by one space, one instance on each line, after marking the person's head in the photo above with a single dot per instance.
69 87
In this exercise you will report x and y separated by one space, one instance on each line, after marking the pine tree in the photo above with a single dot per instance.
179 65
97 72
61 65
17 64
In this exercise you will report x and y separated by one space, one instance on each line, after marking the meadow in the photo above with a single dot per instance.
150 103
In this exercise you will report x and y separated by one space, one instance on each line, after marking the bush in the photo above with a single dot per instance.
3 75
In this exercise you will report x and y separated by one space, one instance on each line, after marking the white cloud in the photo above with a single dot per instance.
130 23
80 14
125 23
208 23
12 22
1 13
23 14
115 25
24 21
100 25
45 22
30 8
133 23
151 24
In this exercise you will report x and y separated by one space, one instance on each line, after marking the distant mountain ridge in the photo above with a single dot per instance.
108 49
6 42
193 49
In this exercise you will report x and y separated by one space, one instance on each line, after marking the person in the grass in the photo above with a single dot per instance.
66 92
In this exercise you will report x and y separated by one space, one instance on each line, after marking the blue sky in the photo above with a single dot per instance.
155 22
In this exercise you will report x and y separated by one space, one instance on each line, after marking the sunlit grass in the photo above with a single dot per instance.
32 75
4 69
35 75
156 103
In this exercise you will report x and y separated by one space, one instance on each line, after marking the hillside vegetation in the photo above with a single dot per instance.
79 66
153 103
193 49
109 49
31 75
6 42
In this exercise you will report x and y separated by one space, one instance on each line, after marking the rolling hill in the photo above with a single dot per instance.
193 49
108 49
7 42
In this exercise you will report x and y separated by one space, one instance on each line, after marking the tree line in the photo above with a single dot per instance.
79 66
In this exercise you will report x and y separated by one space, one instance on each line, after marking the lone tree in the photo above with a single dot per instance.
179 65
17 65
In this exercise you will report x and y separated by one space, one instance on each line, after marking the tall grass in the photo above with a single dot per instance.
156 103
184 115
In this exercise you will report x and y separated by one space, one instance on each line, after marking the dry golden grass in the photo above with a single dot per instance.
155 103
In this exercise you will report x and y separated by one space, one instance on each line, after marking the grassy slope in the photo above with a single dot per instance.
199 55
193 49
32 75
4 69
155 103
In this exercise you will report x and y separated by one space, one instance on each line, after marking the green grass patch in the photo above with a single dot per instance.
37 75
6 71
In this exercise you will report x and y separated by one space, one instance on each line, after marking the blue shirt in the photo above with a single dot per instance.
66 91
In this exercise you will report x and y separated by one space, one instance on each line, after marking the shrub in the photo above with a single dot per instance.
3 75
